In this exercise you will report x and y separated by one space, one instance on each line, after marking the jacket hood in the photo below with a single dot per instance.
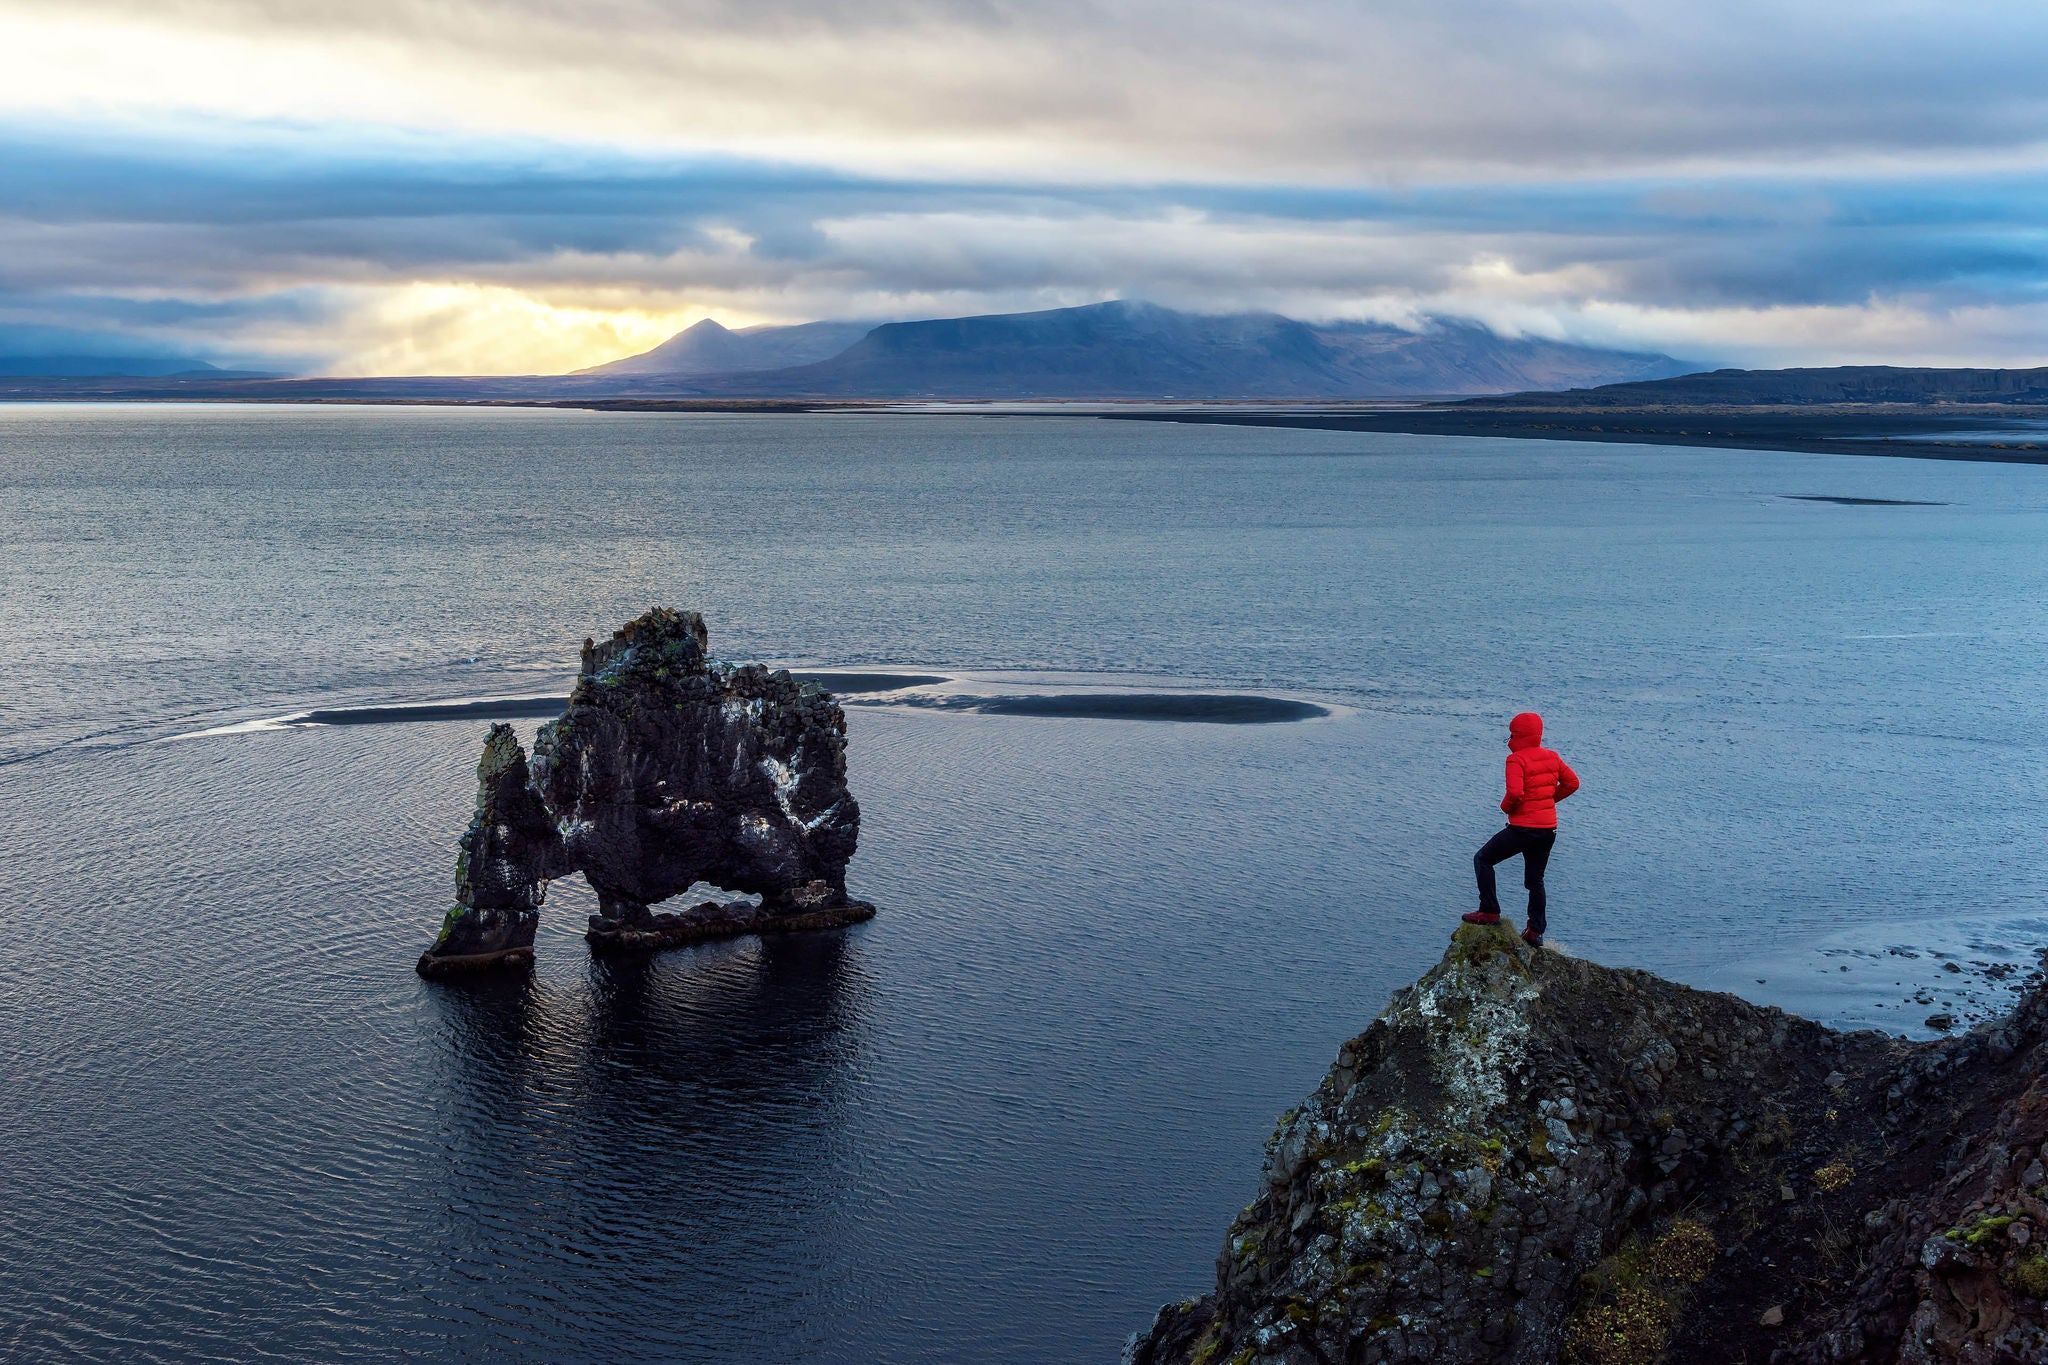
1525 731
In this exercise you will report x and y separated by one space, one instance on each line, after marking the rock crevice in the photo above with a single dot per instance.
668 769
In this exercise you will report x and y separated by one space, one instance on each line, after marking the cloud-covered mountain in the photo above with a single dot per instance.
709 348
1139 350
111 366
34 351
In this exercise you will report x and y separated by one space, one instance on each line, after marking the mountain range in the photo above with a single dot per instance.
1126 350
1115 350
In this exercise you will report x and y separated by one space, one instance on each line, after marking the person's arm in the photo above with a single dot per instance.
1513 800
1567 780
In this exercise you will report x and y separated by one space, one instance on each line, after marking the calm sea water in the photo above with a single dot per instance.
1010 1116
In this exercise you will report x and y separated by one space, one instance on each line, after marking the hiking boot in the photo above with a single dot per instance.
1532 938
1480 917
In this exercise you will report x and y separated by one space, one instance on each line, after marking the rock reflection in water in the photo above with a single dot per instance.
688 1105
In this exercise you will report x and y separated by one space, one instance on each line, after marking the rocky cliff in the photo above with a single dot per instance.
1530 1158
667 769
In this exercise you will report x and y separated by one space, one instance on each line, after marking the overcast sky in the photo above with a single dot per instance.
391 186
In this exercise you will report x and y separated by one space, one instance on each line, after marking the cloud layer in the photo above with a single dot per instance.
396 185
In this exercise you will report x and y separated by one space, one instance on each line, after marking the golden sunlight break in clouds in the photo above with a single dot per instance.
525 186
427 328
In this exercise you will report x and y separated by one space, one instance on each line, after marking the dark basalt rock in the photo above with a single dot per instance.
668 769
1529 1158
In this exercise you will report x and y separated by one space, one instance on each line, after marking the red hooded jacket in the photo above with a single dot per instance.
1537 778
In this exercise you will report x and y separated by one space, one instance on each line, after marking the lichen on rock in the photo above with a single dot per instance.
1530 1158
668 768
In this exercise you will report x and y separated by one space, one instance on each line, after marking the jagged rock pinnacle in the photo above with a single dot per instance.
667 769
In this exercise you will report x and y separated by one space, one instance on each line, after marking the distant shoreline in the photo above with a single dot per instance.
1897 431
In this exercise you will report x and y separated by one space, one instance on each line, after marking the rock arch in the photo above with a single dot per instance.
667 769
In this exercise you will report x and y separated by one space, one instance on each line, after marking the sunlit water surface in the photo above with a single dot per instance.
1015 1112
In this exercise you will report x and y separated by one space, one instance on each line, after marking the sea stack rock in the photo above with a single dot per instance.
669 768
1533 1159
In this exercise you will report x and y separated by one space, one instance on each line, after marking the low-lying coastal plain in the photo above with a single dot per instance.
1995 433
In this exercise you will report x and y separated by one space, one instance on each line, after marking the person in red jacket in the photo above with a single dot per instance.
1537 780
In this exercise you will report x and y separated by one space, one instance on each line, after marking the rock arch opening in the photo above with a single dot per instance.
667 770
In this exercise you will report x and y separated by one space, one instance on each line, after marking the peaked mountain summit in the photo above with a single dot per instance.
711 348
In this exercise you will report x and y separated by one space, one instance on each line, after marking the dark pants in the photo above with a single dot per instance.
1534 846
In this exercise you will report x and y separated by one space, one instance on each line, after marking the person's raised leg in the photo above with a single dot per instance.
1499 848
